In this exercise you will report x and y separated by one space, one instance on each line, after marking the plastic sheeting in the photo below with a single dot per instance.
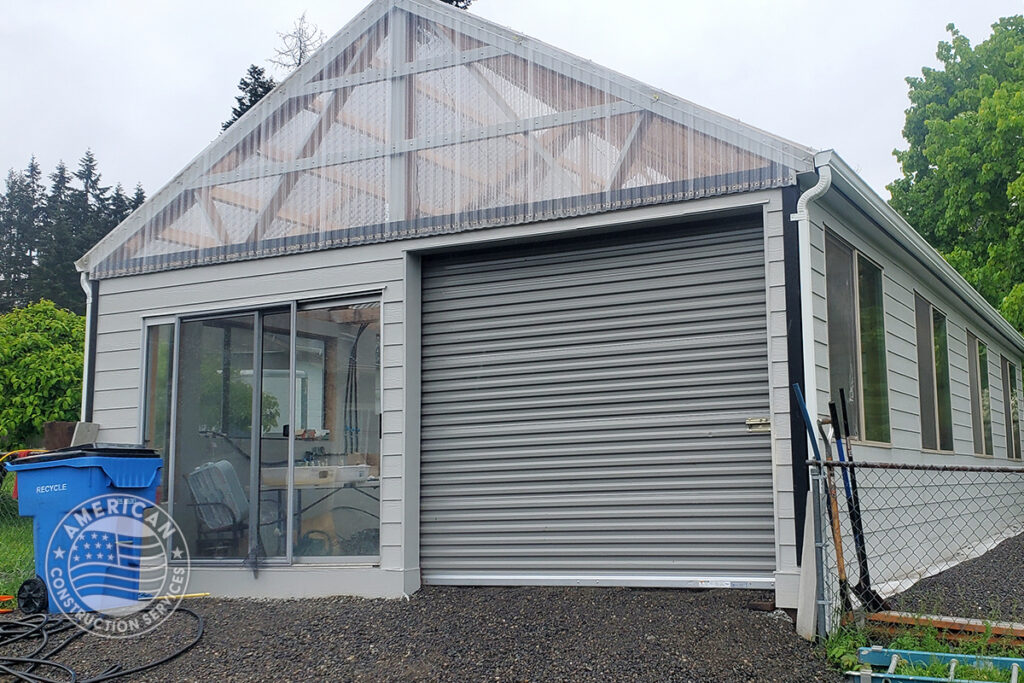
418 118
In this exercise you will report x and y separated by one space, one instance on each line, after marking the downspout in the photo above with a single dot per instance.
810 597
803 221
91 289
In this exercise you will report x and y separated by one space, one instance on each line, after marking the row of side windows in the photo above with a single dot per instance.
857 360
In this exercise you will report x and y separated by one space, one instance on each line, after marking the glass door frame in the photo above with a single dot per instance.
172 409
326 303
257 313
256 478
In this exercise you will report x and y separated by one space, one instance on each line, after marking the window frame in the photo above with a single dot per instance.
1009 374
149 326
980 387
257 310
856 255
933 310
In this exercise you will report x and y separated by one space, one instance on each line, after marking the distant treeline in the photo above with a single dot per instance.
44 229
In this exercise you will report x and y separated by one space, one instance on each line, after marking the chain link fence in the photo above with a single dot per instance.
16 558
919 540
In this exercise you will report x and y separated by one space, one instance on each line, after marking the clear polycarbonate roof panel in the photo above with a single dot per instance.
418 118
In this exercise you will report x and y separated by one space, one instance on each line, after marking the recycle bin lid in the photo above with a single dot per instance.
105 450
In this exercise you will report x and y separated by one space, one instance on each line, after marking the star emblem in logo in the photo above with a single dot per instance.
59 553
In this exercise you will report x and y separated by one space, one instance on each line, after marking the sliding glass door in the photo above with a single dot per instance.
275 399
270 423
337 437
214 445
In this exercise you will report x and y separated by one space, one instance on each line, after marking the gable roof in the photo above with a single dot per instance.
419 118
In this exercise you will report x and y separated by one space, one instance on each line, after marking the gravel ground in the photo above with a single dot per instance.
988 587
476 634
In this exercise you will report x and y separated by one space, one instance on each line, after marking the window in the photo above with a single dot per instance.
933 376
274 450
981 403
156 420
856 339
1011 409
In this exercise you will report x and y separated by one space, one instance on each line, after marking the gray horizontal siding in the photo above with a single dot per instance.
583 411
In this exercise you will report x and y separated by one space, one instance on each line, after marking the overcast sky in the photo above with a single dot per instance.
146 85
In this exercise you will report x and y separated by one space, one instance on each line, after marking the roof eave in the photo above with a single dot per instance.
852 185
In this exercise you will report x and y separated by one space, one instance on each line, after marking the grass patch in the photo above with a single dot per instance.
963 672
841 651
16 563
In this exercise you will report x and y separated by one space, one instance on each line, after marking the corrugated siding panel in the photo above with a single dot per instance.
583 411
419 119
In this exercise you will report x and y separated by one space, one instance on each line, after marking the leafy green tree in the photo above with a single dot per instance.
963 170
41 351
254 85
461 4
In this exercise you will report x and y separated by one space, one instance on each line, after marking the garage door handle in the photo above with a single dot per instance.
759 424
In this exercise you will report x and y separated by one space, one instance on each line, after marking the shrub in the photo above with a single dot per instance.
41 353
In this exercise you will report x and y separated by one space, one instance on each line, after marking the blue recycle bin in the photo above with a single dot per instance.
53 484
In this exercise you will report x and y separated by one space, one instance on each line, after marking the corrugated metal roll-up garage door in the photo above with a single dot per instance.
584 408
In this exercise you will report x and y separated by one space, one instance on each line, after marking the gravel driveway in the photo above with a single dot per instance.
986 587
477 634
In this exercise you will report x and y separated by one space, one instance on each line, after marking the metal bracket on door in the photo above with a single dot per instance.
759 424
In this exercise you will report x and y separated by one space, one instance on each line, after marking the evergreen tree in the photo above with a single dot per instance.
138 197
254 85
21 223
57 251
78 218
42 233
120 205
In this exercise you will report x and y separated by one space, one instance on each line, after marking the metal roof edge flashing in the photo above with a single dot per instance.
847 183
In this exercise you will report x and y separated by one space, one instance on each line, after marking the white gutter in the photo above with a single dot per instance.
84 280
878 210
803 220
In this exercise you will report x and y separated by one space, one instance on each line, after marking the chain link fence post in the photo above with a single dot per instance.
819 551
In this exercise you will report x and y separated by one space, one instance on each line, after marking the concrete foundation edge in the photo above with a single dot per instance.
303 582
